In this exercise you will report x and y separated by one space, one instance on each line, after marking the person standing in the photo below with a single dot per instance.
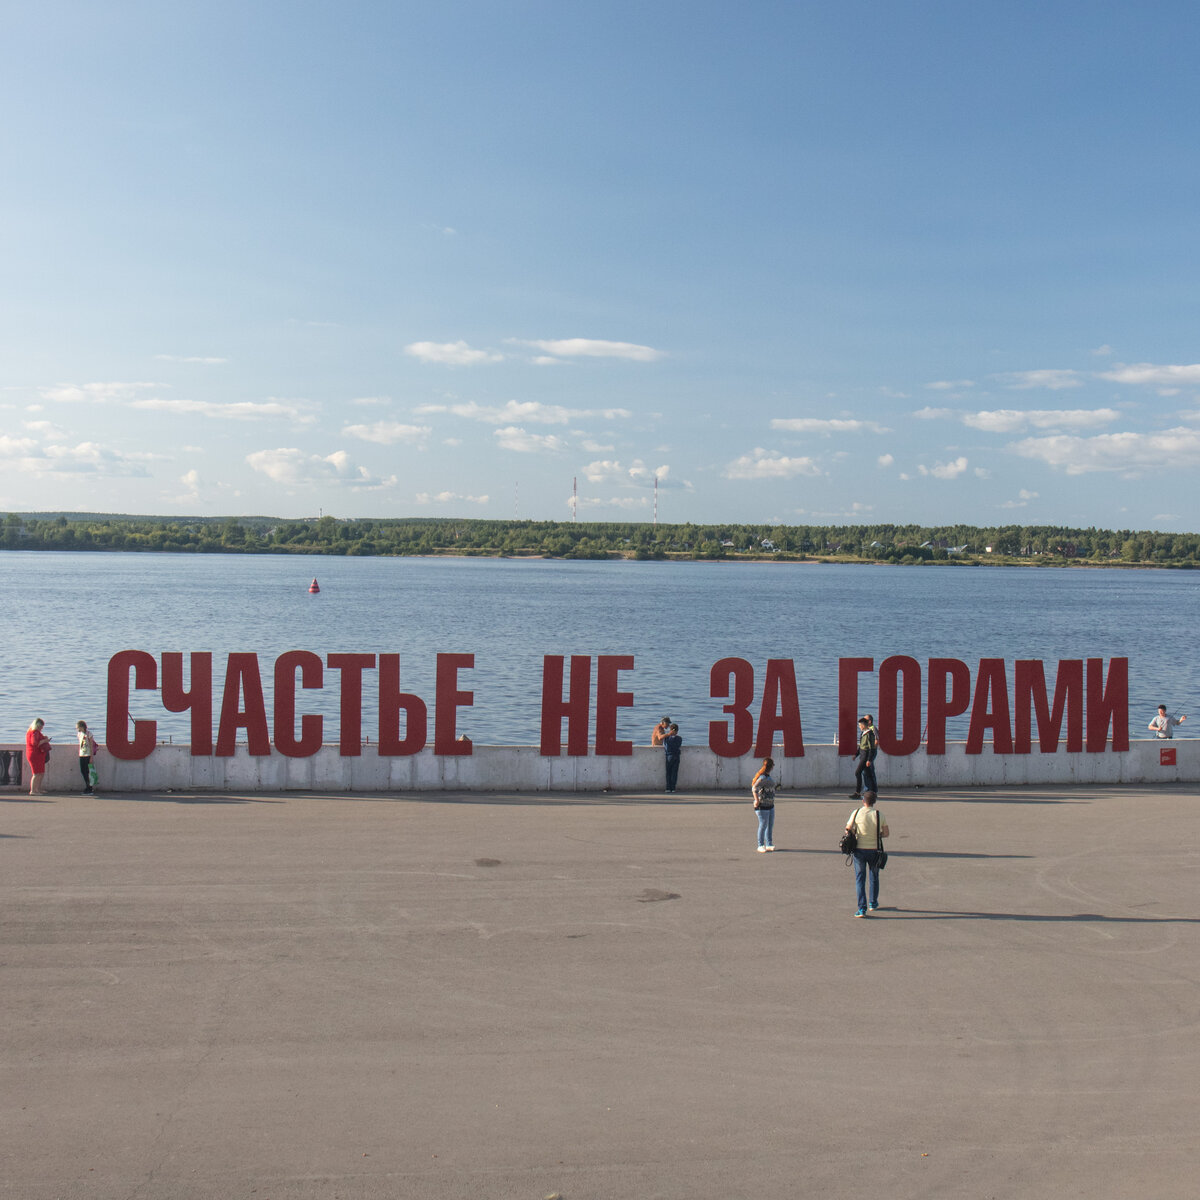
869 774
87 751
671 747
1163 726
660 731
867 742
762 788
37 753
870 829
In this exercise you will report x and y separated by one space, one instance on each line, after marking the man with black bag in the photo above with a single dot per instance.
868 828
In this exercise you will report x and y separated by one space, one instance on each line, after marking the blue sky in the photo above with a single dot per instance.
805 263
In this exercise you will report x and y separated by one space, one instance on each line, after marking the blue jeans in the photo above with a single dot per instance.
866 863
672 773
766 826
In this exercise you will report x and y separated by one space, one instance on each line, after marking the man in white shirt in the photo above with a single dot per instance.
1162 725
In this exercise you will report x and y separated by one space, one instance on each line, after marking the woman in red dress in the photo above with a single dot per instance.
37 751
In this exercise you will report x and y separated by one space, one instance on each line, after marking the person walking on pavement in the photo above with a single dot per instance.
867 742
870 828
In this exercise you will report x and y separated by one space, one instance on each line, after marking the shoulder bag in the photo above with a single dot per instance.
849 842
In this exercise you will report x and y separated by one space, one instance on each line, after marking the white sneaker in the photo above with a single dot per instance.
762 849
770 847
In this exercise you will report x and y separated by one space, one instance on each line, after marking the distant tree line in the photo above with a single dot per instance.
1043 545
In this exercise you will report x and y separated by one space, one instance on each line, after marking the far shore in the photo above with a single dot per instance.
1042 562
602 541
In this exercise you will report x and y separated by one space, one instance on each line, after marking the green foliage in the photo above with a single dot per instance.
1040 545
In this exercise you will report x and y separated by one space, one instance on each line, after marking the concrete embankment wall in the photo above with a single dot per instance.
523 769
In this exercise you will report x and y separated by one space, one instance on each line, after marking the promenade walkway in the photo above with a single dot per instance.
446 996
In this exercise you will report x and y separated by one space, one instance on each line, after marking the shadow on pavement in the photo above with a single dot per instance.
189 798
933 914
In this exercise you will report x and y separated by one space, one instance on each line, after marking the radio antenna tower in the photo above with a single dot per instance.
517 500
656 502
574 498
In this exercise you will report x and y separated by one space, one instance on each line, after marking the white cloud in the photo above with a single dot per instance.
59 460
242 410
15 447
1149 373
292 467
950 385
451 354
832 425
769 464
387 433
102 392
449 498
1103 351
1053 380
90 458
885 460
1004 420
523 410
593 348
518 410
626 502
951 470
1023 498
936 414
603 471
1128 452
643 475
191 483
1010 420
637 474
512 437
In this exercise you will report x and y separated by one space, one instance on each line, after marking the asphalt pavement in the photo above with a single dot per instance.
599 997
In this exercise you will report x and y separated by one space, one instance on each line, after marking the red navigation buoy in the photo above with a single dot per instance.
314 586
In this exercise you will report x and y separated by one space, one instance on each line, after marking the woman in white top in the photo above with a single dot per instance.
87 750
869 828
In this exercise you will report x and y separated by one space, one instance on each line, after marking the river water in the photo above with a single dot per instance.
65 614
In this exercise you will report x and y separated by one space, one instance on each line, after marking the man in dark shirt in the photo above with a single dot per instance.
671 744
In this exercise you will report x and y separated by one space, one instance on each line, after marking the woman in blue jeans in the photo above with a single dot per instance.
762 788
869 828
